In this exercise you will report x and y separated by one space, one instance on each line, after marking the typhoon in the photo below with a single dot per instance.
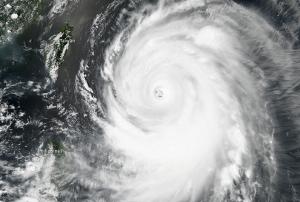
182 107
159 101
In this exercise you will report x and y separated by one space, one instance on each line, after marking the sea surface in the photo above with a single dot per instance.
150 100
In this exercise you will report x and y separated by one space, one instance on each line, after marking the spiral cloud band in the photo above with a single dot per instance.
150 101
184 103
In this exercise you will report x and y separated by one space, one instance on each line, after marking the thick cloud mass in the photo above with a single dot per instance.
149 101
185 103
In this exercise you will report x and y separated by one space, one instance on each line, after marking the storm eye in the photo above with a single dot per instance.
158 93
